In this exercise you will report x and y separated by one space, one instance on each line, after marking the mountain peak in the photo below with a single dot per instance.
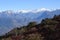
27 11
45 9
33 11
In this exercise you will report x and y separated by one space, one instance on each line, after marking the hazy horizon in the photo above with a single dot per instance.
28 4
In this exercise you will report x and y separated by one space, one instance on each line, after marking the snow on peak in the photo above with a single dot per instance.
10 11
24 11
43 9
27 11
33 11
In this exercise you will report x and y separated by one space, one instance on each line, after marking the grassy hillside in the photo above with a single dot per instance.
48 29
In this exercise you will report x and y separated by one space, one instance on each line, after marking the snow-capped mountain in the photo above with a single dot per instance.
10 19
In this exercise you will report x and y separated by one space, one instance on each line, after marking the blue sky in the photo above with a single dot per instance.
28 4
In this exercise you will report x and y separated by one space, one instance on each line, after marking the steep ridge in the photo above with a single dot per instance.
48 29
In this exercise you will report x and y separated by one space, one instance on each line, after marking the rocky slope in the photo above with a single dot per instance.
48 29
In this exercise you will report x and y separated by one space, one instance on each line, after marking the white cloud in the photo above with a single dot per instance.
26 11
44 9
34 11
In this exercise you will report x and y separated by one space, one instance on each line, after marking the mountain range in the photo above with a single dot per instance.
10 19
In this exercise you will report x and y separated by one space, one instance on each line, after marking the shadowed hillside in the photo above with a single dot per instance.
48 29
